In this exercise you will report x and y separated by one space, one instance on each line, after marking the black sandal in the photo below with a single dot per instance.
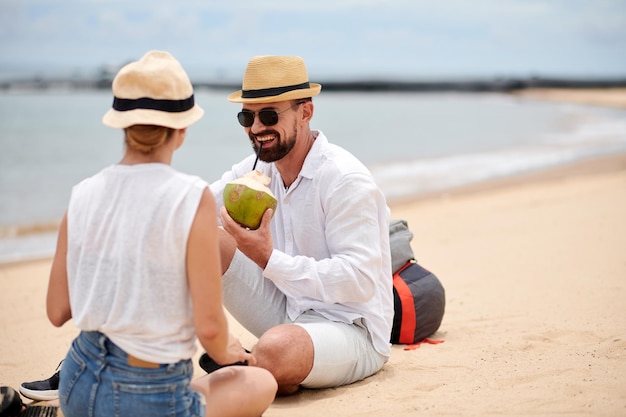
209 365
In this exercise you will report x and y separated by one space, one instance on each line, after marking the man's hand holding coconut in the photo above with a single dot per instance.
256 244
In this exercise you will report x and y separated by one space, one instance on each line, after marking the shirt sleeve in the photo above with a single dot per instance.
353 237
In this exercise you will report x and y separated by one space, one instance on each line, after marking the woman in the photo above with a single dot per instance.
137 268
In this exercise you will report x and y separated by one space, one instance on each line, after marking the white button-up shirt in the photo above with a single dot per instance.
331 239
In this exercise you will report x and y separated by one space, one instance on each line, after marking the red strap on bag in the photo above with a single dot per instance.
407 329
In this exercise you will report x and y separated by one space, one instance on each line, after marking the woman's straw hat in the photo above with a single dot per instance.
269 79
153 91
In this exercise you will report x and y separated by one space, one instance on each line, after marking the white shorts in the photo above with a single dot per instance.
344 352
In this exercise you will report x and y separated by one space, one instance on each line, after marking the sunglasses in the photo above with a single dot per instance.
266 116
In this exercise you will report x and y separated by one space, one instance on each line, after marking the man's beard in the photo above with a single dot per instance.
280 148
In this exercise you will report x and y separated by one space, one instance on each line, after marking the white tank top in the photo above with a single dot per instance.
126 263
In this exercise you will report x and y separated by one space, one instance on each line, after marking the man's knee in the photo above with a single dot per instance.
228 246
287 352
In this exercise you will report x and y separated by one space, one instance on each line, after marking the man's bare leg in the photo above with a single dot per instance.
287 352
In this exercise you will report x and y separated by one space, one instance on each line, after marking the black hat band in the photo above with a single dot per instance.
169 106
275 91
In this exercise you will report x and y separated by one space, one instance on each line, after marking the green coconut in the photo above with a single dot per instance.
248 197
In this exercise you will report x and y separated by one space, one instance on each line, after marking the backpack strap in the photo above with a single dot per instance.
407 327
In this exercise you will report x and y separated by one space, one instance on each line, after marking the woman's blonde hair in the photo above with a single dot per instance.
146 138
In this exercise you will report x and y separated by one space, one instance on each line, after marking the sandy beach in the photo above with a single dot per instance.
534 269
610 97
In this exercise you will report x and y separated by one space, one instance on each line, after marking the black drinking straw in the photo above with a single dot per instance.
257 155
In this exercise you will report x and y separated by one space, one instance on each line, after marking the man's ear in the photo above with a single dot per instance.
307 111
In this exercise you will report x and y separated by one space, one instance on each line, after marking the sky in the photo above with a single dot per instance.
339 39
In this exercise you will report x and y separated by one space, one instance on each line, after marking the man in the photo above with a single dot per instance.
313 282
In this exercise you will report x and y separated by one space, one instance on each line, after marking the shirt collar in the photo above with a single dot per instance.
314 158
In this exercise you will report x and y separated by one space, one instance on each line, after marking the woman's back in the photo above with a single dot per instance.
128 228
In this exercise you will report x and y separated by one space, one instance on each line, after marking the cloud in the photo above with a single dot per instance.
340 37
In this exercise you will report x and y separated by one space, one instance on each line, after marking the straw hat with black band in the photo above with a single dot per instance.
153 91
272 78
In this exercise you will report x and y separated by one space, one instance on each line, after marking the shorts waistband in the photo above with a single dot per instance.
100 340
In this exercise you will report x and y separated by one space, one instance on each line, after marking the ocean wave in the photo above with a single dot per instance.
422 176
592 135
27 247
14 231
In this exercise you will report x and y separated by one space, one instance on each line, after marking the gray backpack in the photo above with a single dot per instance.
419 298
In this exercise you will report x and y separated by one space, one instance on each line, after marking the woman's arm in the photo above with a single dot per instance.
58 298
204 274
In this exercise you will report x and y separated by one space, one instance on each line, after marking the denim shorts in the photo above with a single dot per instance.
96 381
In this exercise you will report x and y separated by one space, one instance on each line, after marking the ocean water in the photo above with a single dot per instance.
413 143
